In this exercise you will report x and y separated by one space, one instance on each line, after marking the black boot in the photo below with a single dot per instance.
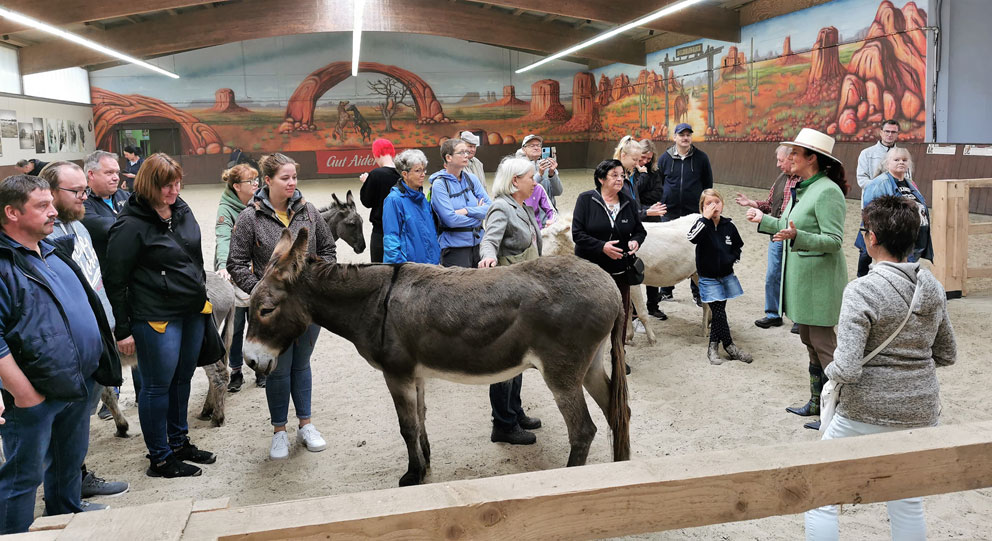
815 388
171 467
237 380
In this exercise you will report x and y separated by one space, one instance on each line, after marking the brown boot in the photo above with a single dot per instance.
737 353
713 353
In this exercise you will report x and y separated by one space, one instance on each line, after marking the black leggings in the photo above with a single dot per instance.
719 326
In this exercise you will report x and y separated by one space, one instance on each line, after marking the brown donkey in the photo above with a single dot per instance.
484 326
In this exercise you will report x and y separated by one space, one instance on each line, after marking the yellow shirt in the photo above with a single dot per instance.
160 326
283 217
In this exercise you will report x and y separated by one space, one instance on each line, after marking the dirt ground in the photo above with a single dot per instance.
680 403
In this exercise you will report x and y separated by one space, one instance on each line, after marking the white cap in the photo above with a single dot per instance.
529 137
469 138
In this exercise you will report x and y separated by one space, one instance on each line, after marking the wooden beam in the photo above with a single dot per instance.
759 10
664 41
64 12
254 19
627 498
96 24
701 20
16 41
549 17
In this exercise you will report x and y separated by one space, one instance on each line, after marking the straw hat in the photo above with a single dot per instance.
816 141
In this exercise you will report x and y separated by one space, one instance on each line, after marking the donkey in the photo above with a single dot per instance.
486 325
344 221
222 297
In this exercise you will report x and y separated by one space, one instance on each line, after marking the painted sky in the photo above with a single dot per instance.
267 71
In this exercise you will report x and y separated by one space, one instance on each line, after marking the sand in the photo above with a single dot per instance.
681 405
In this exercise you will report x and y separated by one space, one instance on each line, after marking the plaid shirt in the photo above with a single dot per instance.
766 205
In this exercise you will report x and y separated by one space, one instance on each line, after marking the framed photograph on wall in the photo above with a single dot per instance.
25 133
39 135
8 124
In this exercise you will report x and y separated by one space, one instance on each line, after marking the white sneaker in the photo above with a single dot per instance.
309 436
639 326
280 446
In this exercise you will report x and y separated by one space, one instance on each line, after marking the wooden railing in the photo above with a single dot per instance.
588 502
950 229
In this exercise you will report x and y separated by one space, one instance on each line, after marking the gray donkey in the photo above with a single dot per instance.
344 221
221 295
555 314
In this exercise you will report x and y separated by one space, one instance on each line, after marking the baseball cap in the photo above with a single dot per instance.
682 127
469 138
529 137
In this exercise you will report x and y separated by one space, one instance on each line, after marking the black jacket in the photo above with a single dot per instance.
38 334
98 219
649 191
374 191
157 271
591 229
684 180
717 248
38 166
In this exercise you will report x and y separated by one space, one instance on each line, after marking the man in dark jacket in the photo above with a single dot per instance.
134 160
375 189
105 199
685 172
54 341
31 167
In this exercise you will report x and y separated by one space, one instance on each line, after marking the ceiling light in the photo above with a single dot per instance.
356 39
35 24
609 34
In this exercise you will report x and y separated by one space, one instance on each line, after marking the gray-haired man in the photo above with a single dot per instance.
474 165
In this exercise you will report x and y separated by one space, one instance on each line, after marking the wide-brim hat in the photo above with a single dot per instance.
814 140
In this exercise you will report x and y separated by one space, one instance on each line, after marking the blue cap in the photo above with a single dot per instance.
682 127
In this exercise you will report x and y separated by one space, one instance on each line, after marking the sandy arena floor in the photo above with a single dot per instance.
681 405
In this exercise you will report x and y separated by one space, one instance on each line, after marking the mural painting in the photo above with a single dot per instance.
842 67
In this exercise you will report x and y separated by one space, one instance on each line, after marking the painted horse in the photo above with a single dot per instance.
555 314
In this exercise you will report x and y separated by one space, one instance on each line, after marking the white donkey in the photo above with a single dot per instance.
668 256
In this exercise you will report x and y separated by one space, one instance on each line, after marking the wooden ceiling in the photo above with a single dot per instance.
149 28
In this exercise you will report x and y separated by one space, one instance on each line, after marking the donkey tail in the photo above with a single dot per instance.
619 412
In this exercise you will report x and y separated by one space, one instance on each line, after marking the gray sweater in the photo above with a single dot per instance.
898 387
510 229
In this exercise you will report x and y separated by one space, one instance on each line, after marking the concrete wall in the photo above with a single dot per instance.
963 101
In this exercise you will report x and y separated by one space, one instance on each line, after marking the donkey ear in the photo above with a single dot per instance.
337 201
289 262
350 199
283 246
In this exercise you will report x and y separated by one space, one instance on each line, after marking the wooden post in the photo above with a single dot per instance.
949 231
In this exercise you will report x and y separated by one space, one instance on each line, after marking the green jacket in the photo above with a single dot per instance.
814 272
227 213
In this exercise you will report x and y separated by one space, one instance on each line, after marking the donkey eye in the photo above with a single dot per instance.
266 311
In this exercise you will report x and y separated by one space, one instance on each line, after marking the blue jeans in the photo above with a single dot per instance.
773 278
236 360
292 377
166 362
46 444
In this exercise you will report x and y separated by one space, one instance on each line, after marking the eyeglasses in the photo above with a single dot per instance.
80 194
464 152
252 181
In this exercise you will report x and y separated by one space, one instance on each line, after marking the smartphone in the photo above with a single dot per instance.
549 152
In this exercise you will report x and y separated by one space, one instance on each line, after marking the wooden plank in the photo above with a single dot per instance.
214 504
45 535
163 521
979 228
64 12
253 19
699 21
625 498
979 272
759 10
56 522
977 182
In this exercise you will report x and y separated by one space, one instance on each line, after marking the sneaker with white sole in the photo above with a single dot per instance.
309 436
280 446
639 326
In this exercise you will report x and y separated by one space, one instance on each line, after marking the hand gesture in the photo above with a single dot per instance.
633 246
754 215
611 250
744 201
710 211
788 233
362 177
552 166
642 169
657 209
542 166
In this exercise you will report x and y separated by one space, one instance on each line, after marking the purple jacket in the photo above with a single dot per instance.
538 201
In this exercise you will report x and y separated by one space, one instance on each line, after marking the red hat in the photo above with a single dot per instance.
382 147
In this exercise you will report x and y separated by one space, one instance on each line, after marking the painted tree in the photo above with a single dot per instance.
752 77
394 95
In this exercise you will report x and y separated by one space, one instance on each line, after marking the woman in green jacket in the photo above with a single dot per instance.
814 271
242 181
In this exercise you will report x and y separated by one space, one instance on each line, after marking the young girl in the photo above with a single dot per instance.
718 247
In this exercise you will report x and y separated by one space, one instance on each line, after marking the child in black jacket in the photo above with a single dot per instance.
718 247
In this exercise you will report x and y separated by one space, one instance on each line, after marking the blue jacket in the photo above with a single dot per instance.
449 194
35 329
885 184
408 228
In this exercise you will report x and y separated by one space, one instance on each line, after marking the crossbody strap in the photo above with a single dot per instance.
912 304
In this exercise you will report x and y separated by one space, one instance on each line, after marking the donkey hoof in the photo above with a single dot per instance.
204 415
411 478
217 422
121 433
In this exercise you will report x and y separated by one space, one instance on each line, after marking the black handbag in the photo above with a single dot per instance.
213 348
634 273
